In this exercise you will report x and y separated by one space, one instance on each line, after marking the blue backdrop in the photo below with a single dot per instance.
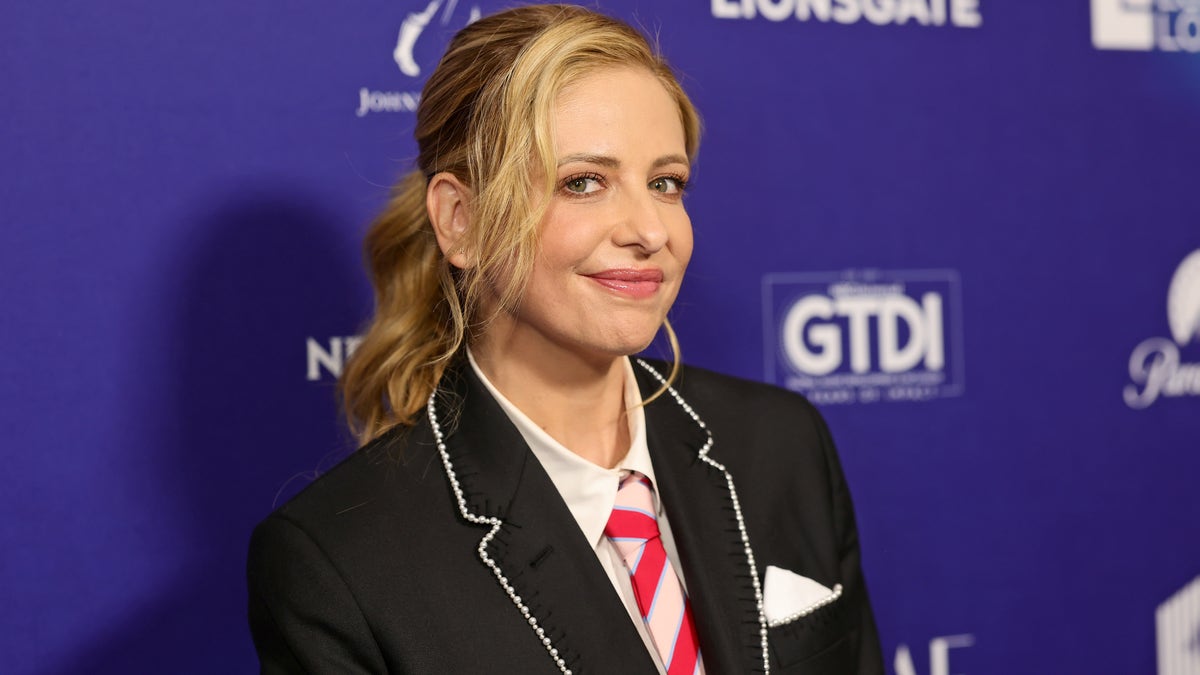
962 226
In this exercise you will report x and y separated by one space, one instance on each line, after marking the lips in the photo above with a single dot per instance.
634 283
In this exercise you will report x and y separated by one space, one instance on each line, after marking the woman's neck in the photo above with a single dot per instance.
579 402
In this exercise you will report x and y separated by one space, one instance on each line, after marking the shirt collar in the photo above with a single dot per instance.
589 490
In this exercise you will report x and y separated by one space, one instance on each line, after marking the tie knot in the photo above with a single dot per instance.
632 517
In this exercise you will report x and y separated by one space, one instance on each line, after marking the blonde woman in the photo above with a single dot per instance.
529 498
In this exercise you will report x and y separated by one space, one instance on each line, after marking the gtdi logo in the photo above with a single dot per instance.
1144 25
864 336
1156 366
1177 622
404 54
959 13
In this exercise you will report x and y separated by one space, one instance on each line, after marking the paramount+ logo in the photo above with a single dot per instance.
1156 366
864 336
1146 25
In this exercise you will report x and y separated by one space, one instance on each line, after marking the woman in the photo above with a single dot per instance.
528 498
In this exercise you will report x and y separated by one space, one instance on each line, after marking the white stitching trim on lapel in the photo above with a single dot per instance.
496 523
737 510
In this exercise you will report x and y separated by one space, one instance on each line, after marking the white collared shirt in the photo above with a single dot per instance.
590 490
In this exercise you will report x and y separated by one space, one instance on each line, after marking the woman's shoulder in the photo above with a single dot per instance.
392 474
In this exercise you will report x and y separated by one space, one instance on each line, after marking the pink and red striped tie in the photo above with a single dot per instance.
661 599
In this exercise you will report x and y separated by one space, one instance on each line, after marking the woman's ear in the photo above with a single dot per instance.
447 199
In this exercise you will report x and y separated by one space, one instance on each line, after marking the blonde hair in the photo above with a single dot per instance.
485 117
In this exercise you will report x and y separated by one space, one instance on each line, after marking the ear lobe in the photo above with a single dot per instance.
447 200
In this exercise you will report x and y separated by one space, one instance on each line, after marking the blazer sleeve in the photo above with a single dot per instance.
869 655
303 616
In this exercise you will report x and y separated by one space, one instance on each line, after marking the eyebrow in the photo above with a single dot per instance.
614 163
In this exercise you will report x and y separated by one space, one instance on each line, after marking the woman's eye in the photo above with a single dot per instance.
667 185
582 185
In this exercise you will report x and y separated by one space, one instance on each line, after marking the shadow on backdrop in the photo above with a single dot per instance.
264 276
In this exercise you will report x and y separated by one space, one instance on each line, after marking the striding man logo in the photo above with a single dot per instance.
414 25
405 55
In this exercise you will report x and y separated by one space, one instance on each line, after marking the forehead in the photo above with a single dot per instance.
620 111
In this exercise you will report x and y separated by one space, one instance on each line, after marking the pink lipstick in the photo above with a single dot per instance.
633 283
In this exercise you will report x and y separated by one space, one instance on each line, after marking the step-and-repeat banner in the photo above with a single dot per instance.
967 229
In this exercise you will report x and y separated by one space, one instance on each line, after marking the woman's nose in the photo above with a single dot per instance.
641 223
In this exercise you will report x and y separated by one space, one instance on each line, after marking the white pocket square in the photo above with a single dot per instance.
787 596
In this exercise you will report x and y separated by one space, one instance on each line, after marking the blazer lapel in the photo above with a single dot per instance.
699 505
539 547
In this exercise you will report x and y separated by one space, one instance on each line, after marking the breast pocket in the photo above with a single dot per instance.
821 643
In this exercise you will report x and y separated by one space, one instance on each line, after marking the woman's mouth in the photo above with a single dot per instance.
633 283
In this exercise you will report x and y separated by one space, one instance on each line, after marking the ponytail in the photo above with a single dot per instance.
418 324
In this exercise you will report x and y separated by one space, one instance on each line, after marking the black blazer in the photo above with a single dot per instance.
375 568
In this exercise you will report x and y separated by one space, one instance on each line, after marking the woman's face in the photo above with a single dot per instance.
616 239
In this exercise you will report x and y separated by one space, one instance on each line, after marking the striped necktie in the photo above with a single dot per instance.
661 599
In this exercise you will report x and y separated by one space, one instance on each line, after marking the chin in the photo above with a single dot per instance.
628 345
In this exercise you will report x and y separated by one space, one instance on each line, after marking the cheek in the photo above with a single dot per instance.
565 243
